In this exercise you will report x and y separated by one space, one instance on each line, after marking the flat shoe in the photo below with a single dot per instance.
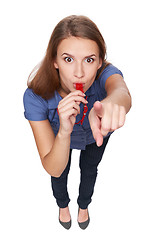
66 225
84 225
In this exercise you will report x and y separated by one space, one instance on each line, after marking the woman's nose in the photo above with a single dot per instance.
79 71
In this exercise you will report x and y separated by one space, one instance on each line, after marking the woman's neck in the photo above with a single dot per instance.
62 93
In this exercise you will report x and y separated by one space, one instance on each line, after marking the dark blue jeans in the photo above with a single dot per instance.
89 160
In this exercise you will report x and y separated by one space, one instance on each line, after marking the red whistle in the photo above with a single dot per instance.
79 86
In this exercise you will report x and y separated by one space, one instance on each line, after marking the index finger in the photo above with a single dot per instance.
75 99
75 93
98 109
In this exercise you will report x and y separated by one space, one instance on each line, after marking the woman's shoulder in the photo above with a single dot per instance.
31 99
106 71
31 96
30 93
108 68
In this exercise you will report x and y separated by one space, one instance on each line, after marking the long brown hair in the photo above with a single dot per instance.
46 79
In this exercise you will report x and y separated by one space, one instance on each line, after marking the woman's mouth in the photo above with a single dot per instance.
79 86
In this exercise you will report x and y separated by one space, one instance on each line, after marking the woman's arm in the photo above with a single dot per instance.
54 151
109 114
117 92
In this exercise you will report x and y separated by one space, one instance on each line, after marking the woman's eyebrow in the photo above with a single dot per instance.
92 55
89 56
67 54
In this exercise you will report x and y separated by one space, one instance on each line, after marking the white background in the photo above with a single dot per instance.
126 202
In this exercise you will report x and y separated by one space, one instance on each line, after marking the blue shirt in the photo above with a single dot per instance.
38 109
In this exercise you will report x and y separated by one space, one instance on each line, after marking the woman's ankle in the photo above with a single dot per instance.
82 215
64 214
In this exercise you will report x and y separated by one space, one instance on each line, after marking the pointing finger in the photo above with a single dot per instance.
98 109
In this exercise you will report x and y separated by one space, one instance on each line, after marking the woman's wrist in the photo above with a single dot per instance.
63 135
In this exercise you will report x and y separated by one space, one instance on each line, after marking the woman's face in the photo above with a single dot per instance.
78 61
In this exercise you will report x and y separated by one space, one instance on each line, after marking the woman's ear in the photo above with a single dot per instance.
55 64
100 63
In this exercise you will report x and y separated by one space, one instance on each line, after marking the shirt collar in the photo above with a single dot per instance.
54 101
91 90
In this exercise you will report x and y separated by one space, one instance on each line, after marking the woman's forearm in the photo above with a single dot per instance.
56 160
68 108
120 97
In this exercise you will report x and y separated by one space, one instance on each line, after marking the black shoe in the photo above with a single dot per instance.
66 225
84 225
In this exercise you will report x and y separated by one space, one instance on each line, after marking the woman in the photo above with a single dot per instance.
75 101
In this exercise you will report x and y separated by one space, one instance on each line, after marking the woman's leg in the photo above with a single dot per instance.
89 160
59 186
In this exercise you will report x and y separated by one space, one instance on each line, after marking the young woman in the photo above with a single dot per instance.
75 100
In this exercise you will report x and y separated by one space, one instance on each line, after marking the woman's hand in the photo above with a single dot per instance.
105 117
68 109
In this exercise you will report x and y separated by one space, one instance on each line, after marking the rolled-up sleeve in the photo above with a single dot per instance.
35 107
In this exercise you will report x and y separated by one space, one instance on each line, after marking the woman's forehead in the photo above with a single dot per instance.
75 45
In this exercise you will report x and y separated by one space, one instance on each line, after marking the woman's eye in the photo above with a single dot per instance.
89 60
68 59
